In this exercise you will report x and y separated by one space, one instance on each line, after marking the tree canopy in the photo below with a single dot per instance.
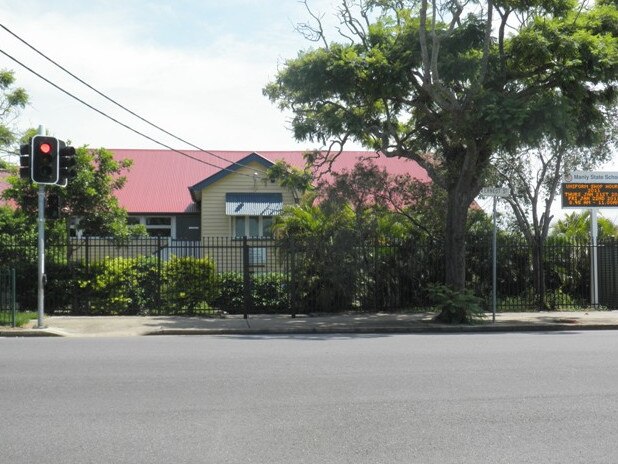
88 197
12 99
448 84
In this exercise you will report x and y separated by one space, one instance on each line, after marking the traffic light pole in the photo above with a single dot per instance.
49 161
41 251
41 257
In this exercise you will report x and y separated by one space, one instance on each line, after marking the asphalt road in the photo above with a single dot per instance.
489 398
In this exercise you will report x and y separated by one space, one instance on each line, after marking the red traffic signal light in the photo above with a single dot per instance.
44 159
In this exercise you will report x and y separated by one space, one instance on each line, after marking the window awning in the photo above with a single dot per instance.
253 204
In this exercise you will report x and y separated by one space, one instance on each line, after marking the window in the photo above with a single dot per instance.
156 226
252 226
159 226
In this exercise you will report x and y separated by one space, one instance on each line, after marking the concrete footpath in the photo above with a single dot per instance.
348 323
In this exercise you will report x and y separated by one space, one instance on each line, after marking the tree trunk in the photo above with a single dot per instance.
455 240
538 273
459 199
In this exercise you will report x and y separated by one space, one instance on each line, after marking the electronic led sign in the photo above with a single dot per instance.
589 195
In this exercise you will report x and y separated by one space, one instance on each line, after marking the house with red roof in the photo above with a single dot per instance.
196 194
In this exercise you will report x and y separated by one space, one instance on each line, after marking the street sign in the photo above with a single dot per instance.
495 192
591 190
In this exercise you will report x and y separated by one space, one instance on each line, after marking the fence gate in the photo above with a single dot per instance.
7 297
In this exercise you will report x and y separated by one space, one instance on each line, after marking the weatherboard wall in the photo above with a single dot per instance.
215 223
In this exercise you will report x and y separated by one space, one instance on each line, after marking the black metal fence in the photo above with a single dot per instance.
161 276
7 297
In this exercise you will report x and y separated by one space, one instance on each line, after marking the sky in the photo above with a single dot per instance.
196 68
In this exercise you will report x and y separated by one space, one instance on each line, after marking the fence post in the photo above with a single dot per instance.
376 277
246 277
87 253
159 272
293 281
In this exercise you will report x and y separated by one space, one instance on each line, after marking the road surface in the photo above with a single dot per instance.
467 398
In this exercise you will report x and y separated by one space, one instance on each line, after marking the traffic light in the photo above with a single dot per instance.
44 159
52 209
24 162
66 163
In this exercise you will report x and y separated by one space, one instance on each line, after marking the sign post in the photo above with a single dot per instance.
591 190
494 192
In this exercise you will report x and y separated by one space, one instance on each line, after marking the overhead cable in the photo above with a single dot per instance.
126 126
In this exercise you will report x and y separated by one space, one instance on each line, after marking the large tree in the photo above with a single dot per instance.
534 176
12 99
449 83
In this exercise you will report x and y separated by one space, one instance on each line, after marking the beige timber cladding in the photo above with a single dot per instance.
215 223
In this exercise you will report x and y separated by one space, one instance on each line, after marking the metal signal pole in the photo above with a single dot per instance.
41 251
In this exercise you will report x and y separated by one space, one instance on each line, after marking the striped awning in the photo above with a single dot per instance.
253 204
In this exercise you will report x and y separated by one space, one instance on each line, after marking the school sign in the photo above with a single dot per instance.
583 189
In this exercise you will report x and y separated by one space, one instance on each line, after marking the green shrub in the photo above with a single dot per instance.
121 286
229 294
269 293
456 307
188 284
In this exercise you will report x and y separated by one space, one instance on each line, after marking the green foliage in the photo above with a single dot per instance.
181 285
121 286
11 100
456 306
269 293
333 239
89 196
188 284
230 292
14 223
21 318
576 227
324 264
487 87
298 181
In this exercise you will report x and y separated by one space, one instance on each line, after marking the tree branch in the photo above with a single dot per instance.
309 32
487 42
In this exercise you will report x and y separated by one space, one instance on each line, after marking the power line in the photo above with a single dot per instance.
118 104
126 126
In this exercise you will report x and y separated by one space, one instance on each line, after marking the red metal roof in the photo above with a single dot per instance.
3 186
159 180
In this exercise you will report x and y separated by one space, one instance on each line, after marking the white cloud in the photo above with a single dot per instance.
208 92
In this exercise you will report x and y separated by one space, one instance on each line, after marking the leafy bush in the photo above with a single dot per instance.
268 292
229 292
456 307
121 286
188 284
